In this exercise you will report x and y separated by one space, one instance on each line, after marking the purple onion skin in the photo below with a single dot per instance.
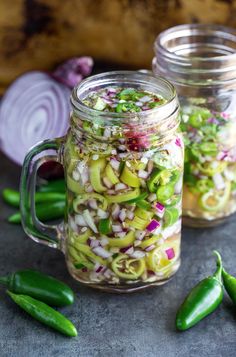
73 71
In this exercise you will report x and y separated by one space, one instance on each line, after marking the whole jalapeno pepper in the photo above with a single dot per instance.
45 314
39 286
228 280
12 197
54 186
44 211
203 299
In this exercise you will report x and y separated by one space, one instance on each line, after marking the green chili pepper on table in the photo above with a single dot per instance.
203 299
12 197
228 280
54 186
39 286
45 212
45 314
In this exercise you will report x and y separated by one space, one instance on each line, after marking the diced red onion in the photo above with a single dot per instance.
72 224
152 197
143 174
89 220
79 219
178 142
122 215
104 241
150 247
218 181
140 234
130 215
152 225
36 107
137 243
121 234
145 99
101 252
107 132
127 250
229 175
170 253
115 164
116 228
102 214
100 269
107 182
115 211
84 270
120 186
89 188
160 209
137 254
222 155
93 243
92 203
108 273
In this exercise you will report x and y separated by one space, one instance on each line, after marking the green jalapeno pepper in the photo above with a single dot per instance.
83 198
141 197
202 300
158 177
80 259
45 314
39 286
123 242
111 175
171 216
54 186
228 280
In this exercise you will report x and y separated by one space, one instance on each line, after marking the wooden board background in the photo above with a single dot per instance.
38 34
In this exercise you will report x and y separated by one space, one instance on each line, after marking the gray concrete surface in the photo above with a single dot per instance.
139 325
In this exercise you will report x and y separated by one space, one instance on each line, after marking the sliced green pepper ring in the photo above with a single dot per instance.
81 238
207 168
111 174
86 250
128 268
204 185
144 204
127 240
139 198
104 226
149 241
157 259
163 160
213 201
123 197
73 185
96 167
171 216
129 178
81 199
158 177
174 200
164 193
80 259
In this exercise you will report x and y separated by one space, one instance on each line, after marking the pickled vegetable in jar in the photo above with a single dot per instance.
123 160
201 62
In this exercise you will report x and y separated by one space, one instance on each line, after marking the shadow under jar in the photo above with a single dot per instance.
123 162
200 60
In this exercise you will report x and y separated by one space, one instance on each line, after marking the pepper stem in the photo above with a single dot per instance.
218 272
4 280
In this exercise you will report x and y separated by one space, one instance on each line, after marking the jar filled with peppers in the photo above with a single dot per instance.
200 60
123 161
124 164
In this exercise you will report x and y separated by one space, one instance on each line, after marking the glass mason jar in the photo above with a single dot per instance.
123 176
200 60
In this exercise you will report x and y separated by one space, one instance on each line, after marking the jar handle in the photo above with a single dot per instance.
50 235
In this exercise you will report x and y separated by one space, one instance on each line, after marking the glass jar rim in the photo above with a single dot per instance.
112 78
222 32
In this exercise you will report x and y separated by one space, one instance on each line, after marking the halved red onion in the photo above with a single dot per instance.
36 107
154 224
170 253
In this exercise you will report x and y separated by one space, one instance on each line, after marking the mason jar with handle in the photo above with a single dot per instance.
123 163
200 60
